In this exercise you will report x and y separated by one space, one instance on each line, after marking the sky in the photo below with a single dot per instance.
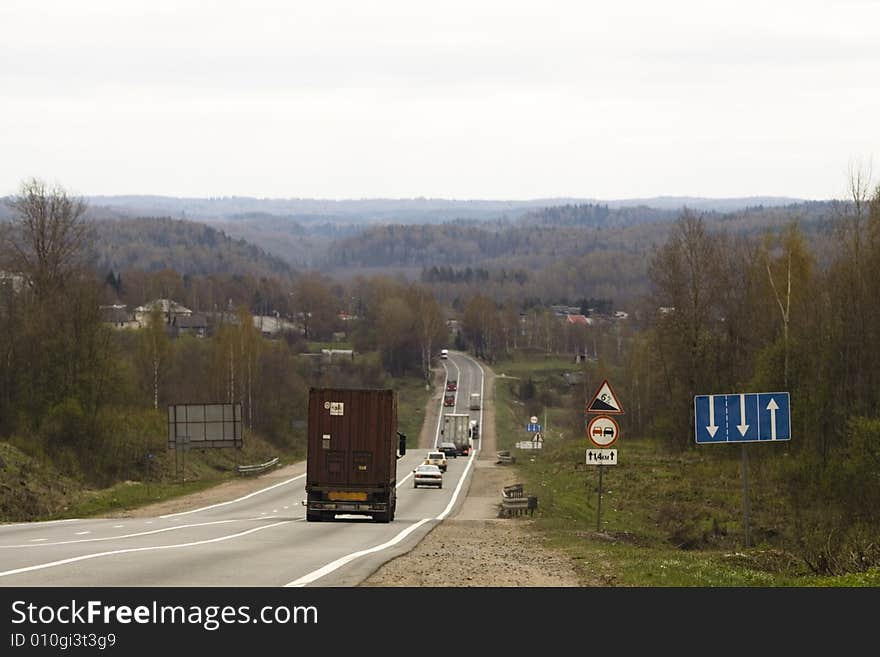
474 99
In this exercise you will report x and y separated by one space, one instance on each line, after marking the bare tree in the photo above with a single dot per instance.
48 236
428 325
154 352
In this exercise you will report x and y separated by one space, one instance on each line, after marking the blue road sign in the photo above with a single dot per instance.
533 428
742 418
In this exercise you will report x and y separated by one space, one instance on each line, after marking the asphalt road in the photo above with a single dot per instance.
260 539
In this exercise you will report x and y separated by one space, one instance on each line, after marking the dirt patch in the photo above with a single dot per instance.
476 548
489 445
224 492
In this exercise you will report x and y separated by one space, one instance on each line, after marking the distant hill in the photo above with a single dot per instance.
706 204
301 231
414 210
156 243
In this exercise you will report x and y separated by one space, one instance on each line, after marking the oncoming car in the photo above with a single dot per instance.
452 385
436 458
427 475
449 400
444 353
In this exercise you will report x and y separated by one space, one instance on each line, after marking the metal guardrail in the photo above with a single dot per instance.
514 490
255 469
515 503
504 458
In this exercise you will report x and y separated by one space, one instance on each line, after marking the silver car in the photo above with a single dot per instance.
427 475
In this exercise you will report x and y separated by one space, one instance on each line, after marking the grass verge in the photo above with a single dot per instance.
667 518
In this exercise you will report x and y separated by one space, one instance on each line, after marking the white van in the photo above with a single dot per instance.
444 353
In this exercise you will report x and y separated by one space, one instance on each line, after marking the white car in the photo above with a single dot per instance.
436 458
427 475
444 353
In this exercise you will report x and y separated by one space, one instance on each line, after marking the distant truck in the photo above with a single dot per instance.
456 429
353 447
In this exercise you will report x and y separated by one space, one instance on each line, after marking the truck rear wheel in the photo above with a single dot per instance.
314 516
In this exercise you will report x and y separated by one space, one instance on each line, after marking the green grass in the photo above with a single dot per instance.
35 487
315 347
132 494
523 366
412 397
667 518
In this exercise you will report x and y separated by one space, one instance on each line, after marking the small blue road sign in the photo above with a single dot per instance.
742 418
531 427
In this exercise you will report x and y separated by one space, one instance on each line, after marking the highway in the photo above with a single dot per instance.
260 539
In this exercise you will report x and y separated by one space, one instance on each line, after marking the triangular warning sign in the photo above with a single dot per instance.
605 401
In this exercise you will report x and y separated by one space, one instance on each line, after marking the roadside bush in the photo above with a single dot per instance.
837 502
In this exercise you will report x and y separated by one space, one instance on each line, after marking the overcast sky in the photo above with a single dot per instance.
472 99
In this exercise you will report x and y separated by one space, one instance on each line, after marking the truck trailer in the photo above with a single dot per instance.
456 429
353 447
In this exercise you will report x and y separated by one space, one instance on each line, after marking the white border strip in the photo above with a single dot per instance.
96 555
113 538
41 523
240 499
334 565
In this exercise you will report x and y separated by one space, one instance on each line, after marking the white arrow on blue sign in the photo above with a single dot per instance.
533 428
742 418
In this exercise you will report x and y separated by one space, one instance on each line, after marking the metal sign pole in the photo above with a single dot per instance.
745 470
599 506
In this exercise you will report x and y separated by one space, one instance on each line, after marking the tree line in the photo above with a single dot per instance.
89 397
759 314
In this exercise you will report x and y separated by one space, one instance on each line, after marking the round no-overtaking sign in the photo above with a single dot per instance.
603 431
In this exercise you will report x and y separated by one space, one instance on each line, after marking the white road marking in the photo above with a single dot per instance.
97 555
240 499
118 526
150 522
110 538
330 567
285 507
34 540
458 488
41 524
82 533
274 510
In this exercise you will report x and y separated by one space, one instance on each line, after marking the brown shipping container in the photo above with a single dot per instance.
352 450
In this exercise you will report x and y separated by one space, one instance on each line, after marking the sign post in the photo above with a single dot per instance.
603 431
742 418
745 466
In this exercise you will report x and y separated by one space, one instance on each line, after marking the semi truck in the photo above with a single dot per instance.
456 428
353 447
